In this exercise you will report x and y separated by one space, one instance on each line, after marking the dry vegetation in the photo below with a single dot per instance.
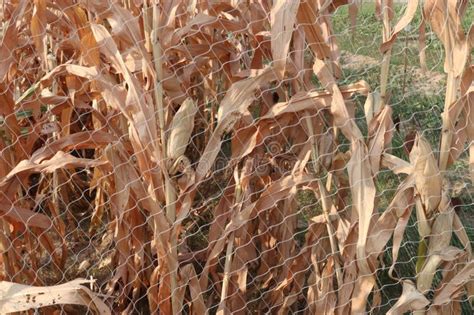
165 149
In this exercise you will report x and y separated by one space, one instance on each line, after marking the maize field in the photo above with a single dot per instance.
236 157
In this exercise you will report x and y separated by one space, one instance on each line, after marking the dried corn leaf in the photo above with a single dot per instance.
410 300
181 129
453 289
125 26
318 100
9 39
446 23
461 233
393 220
278 190
396 165
16 297
38 29
427 174
363 200
236 101
24 216
140 110
211 49
380 136
76 141
422 43
240 95
339 110
439 240
308 17
89 73
26 167
372 106
425 277
190 279
407 17
282 17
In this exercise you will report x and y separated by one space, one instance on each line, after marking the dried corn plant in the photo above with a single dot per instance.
163 146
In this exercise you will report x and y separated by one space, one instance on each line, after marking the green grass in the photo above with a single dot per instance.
368 36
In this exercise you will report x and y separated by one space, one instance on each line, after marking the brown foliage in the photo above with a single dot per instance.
131 104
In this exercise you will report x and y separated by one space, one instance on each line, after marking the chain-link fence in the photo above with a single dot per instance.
240 156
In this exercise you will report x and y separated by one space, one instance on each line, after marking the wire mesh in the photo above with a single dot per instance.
236 156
